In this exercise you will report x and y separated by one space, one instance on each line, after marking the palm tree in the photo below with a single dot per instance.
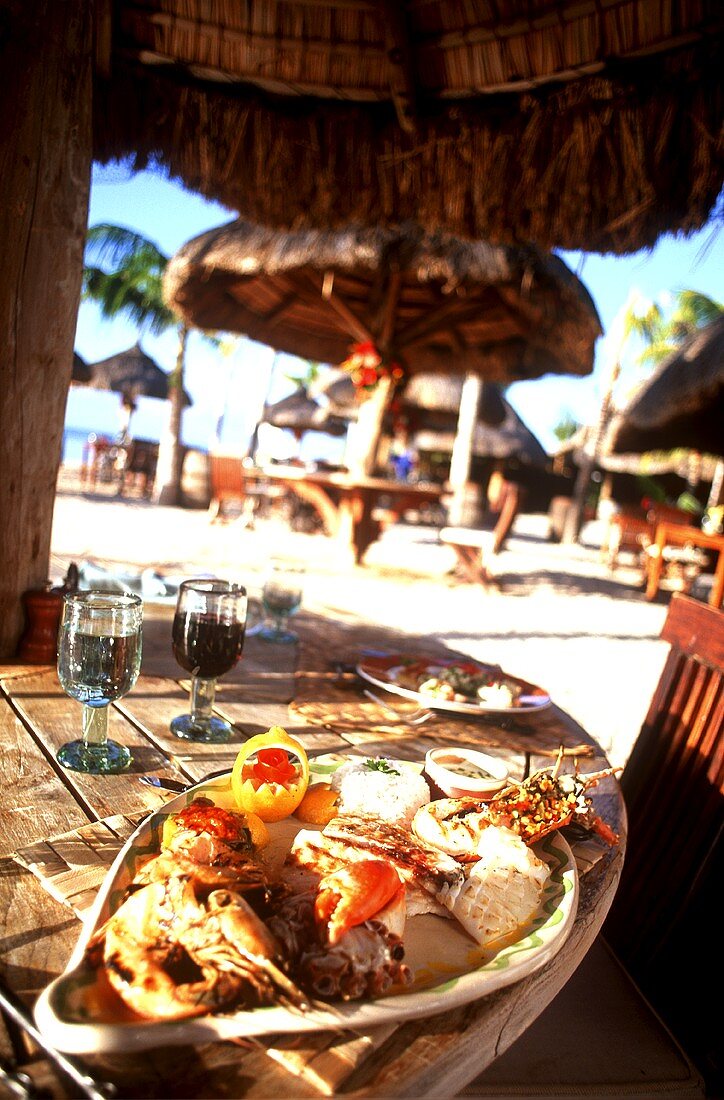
662 333
134 287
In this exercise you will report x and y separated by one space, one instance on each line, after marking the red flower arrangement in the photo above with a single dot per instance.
366 366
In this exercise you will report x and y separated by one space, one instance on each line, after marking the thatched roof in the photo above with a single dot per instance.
300 413
510 439
432 301
681 404
675 461
131 373
573 124
431 401
81 371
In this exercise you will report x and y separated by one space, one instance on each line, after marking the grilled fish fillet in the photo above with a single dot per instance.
427 873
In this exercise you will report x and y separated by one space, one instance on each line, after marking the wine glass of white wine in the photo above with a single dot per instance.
281 597
99 659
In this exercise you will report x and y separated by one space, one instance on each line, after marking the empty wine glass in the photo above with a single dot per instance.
99 659
281 597
208 638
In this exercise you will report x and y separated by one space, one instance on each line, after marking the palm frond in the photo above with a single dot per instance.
694 310
117 245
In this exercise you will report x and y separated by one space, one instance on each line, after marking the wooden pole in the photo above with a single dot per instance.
45 165
460 508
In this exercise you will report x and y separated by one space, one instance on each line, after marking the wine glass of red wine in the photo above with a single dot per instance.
208 638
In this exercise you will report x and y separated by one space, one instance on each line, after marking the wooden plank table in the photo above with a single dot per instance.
346 504
309 690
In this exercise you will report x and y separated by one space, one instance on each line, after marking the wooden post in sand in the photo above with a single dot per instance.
45 165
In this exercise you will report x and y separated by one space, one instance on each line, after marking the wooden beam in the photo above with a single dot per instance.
389 310
356 326
400 63
518 307
437 319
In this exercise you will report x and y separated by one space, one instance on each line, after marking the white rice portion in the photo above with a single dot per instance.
387 790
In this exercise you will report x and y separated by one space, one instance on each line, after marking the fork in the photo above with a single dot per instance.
415 718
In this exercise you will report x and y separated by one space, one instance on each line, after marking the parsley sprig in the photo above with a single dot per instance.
380 765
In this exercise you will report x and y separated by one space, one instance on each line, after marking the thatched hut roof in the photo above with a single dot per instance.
677 460
300 413
593 125
510 439
681 404
434 302
81 371
131 373
431 401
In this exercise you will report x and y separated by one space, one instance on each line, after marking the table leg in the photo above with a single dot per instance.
357 526
655 565
717 589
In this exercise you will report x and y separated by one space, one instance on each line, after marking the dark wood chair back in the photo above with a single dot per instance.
665 919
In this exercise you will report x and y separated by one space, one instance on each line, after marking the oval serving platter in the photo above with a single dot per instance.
382 671
79 1013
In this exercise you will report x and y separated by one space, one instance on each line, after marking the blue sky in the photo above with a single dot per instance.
237 384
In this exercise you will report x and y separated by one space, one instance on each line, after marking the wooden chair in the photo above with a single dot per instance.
229 486
636 1017
629 529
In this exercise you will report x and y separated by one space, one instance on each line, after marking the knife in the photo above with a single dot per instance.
165 784
161 782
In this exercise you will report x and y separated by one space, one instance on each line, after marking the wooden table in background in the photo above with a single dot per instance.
322 706
347 504
678 534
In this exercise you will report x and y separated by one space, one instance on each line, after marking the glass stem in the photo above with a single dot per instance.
95 725
202 698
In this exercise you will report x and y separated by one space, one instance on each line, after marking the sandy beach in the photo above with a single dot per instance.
560 618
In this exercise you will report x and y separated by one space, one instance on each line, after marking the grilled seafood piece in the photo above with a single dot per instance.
502 889
352 895
424 870
170 955
452 825
363 960
226 868
540 805
212 845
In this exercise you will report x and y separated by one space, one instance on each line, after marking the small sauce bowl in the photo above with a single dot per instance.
485 776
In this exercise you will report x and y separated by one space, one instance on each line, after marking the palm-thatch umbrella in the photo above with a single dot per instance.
510 439
422 302
300 413
81 371
428 401
131 373
433 302
508 121
681 404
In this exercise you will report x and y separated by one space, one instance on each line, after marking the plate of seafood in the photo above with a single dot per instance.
464 686
369 903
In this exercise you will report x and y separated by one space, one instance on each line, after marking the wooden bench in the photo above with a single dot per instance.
474 545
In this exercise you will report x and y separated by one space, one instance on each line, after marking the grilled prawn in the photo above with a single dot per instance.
540 805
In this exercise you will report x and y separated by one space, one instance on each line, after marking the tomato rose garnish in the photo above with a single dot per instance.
274 766
270 775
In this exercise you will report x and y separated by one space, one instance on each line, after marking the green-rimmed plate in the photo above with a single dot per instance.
79 1013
